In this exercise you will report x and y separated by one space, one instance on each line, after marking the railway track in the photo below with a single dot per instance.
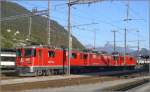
118 74
121 74
142 88
133 85
21 83
103 82
128 86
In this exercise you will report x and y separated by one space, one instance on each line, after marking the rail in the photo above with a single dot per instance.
128 86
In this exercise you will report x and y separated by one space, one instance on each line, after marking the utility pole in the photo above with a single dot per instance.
28 15
70 37
94 39
125 44
70 3
34 11
48 20
125 31
30 26
149 36
114 40
138 45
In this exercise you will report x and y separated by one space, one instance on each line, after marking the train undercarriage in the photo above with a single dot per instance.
45 71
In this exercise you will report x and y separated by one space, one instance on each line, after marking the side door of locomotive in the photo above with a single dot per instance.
64 57
85 58
39 57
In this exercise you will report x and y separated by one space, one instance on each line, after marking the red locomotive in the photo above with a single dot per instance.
42 60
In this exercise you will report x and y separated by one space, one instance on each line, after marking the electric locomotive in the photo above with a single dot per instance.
44 60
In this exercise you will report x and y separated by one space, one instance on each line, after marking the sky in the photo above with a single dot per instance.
103 17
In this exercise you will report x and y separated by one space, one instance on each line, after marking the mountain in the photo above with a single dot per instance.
89 46
143 52
14 32
109 48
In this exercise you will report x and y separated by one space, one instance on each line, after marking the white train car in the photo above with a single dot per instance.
145 59
7 58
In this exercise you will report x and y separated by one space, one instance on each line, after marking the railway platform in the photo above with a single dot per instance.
40 78
61 77
96 87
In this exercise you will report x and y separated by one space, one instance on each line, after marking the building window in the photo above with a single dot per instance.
51 54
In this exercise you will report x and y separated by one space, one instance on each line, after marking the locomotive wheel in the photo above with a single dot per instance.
61 71
43 72
55 71
36 73
47 73
39 72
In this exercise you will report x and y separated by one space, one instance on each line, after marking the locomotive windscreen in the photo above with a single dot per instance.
29 52
18 53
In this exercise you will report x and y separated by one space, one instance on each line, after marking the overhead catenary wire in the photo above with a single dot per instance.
98 20
60 4
106 23
103 22
137 14
88 18
41 12
112 24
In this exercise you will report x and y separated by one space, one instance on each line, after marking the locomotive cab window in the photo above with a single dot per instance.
30 52
74 55
51 54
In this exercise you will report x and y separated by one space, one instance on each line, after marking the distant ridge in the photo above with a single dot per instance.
109 48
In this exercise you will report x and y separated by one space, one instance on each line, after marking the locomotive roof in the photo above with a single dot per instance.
36 46
74 50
